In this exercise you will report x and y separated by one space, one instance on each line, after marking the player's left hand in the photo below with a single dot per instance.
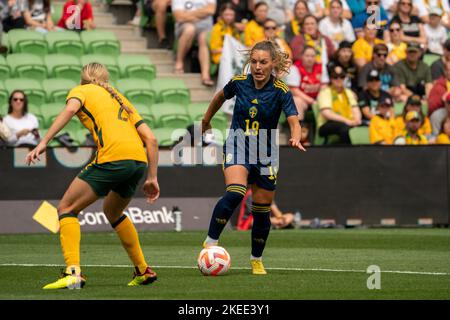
151 190
296 144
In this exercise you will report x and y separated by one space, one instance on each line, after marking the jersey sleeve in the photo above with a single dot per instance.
288 105
77 93
230 89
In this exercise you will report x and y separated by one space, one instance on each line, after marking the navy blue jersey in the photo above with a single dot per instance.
252 137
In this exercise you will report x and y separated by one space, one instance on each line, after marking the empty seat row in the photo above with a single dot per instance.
68 42
26 65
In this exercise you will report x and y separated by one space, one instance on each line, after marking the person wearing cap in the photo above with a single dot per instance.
363 47
382 125
438 67
426 6
414 75
343 57
335 26
339 111
411 135
388 76
414 103
397 47
413 29
444 134
369 99
435 32
437 100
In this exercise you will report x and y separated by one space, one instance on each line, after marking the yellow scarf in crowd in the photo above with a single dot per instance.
318 46
341 103
295 25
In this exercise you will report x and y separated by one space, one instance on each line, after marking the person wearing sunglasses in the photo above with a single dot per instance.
396 46
271 32
363 47
339 111
24 126
412 26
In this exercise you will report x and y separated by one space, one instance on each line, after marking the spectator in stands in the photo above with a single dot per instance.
193 21
396 46
438 100
390 6
5 133
412 26
23 125
243 10
435 32
357 6
77 15
292 28
278 11
159 8
335 26
272 31
224 26
444 135
339 111
388 75
413 74
11 14
411 135
311 36
279 219
414 103
343 57
370 98
304 80
426 6
316 8
38 16
366 16
438 67
346 12
254 30
382 125
363 47
138 4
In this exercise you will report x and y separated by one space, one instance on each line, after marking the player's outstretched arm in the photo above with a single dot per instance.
151 186
296 133
215 105
72 107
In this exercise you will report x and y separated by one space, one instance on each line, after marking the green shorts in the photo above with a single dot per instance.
119 176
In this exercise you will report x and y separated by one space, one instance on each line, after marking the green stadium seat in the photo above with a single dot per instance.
73 127
56 90
318 140
359 135
57 12
100 42
398 108
36 110
3 109
108 61
5 71
67 42
136 67
31 87
430 58
25 65
146 114
138 91
63 66
4 97
80 136
53 143
170 115
49 112
171 90
196 112
5 40
167 137
27 41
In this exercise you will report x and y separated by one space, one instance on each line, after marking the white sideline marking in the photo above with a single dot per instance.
237 268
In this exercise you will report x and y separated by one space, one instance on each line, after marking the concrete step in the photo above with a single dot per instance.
153 54
202 95
192 80
163 67
121 31
104 18
133 44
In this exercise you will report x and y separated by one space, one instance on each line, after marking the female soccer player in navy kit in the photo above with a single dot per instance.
250 153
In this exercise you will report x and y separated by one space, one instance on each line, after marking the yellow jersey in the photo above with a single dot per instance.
253 33
425 129
363 49
113 129
443 139
381 130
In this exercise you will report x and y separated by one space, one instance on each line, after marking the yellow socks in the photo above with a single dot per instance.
70 236
130 241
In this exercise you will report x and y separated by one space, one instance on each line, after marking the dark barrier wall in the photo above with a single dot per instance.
368 182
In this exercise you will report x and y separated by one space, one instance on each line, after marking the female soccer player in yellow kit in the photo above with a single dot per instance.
120 162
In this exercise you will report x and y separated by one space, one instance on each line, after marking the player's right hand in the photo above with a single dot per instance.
33 155
205 126
151 190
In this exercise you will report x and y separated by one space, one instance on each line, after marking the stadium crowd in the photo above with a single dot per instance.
383 65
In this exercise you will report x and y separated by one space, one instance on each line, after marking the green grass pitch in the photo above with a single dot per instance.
302 264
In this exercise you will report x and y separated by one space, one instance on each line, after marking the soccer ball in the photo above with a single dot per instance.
213 261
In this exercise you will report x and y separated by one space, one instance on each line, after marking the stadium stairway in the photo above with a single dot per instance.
132 42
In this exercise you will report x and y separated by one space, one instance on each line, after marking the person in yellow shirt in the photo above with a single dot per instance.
224 26
411 135
397 48
254 30
271 32
382 126
444 135
119 164
363 47
414 103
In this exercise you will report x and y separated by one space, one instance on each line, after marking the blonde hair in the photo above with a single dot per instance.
281 58
96 73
